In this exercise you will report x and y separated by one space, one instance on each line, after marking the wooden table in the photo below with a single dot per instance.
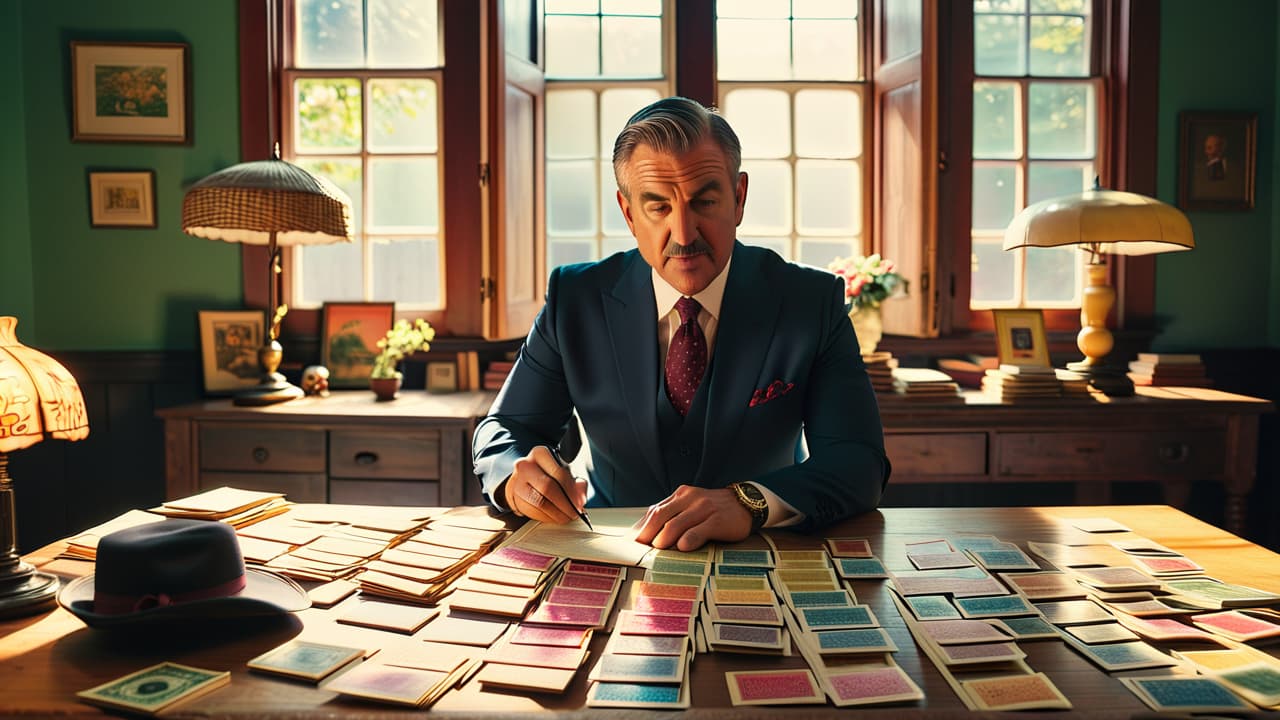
45 659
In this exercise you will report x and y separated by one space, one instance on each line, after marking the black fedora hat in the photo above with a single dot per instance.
176 569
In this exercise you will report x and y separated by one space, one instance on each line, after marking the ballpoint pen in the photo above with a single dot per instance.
581 513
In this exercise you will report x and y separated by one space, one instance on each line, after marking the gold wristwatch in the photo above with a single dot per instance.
753 500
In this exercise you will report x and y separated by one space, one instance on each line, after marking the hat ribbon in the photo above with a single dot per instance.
111 604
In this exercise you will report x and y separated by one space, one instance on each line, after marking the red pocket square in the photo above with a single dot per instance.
776 389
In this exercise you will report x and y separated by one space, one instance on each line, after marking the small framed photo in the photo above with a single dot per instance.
349 340
1020 338
1217 160
129 92
442 377
122 199
229 343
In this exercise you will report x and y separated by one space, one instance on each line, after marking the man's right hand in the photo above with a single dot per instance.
540 488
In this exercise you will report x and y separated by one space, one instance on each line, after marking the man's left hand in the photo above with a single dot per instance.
693 516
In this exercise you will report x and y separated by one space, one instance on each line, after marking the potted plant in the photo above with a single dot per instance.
868 281
403 339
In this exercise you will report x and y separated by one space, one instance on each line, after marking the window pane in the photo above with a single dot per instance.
1058 47
407 271
992 272
403 116
328 115
828 197
632 47
345 173
404 194
329 273
573 46
994 196
517 30
768 209
818 252
825 49
611 220
1002 6
571 124
1045 180
776 244
762 121
612 245
330 33
999 45
572 6
753 8
828 124
1060 120
1052 275
616 107
403 33
571 208
631 7
1060 6
824 9
995 120
565 251
753 49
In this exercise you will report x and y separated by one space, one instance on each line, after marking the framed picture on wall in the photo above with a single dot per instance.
122 199
229 343
129 92
349 335
1020 338
1217 160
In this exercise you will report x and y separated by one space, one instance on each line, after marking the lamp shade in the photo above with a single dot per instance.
1108 221
249 202
38 396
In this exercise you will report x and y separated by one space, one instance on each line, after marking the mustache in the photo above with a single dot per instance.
697 247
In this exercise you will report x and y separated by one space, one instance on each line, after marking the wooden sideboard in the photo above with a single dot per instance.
1170 436
345 448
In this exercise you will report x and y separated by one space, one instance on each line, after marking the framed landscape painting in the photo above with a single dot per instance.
229 343
349 334
129 92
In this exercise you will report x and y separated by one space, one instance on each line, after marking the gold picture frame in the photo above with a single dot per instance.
229 344
125 199
130 92
1020 338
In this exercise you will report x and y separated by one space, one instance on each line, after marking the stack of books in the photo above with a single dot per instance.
495 373
1075 385
880 367
1022 383
1184 369
926 385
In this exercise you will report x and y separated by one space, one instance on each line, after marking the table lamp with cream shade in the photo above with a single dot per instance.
272 203
38 399
1103 222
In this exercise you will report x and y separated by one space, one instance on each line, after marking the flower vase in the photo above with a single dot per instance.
868 326
385 388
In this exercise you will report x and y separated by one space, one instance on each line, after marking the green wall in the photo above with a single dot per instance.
1224 293
15 249
121 289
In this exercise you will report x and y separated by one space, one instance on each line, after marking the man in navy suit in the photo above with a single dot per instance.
717 383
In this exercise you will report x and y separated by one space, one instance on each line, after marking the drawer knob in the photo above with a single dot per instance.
366 458
1175 452
260 454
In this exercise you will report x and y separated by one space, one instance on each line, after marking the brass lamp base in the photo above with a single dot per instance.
1107 379
271 390
26 592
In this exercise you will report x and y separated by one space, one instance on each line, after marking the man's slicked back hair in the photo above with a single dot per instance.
674 125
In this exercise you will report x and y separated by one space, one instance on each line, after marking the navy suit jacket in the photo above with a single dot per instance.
594 349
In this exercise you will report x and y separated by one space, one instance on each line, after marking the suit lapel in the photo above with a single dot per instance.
632 319
748 316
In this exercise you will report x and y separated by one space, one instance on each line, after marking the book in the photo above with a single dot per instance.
1169 358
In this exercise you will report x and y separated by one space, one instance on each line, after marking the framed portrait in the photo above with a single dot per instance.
129 92
442 377
122 199
1217 160
349 335
1020 338
229 343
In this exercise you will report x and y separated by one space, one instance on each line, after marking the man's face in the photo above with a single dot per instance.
1213 147
683 211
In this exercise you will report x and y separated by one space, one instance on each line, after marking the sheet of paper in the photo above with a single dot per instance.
612 542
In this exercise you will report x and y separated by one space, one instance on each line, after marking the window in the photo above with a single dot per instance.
361 92
1036 134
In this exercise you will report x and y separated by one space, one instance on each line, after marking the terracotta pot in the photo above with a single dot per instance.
385 388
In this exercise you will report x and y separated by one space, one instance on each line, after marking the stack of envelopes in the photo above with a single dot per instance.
740 612
422 567
504 582
229 505
418 679
1022 383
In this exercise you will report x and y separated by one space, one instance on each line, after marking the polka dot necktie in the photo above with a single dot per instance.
686 357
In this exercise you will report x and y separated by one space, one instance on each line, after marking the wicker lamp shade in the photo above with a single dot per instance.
249 202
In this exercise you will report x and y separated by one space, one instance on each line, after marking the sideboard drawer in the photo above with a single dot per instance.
257 448
385 454
1127 455
298 487
937 453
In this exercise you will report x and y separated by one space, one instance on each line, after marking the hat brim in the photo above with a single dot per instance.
264 593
